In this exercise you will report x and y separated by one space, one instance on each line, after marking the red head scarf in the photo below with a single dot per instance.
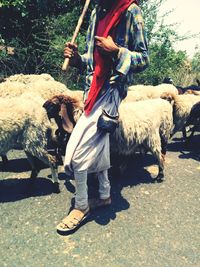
105 27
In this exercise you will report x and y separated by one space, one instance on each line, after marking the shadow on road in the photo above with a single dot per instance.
20 165
180 145
132 172
12 189
190 155
16 165
131 175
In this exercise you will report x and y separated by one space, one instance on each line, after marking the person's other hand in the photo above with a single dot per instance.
106 45
71 52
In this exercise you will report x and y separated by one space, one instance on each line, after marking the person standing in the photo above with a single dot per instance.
116 49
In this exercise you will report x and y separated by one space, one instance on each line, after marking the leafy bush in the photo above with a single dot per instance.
38 30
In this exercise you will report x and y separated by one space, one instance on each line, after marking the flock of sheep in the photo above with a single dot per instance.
37 112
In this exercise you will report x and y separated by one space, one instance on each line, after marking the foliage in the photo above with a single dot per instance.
196 62
164 62
38 29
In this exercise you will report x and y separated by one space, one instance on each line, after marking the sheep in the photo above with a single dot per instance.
12 89
68 108
72 103
146 124
29 78
190 88
192 92
144 92
4 160
24 124
194 119
43 84
182 105
46 89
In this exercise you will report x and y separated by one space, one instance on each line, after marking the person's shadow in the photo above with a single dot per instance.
133 174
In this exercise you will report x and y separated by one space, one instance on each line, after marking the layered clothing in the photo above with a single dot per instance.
88 147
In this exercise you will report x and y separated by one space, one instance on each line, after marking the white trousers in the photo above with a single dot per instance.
81 196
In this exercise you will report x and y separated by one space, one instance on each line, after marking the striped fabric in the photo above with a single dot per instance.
133 56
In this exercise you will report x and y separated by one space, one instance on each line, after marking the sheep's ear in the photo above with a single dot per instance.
50 108
66 122
46 104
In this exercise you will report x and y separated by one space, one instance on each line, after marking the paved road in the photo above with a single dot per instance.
148 224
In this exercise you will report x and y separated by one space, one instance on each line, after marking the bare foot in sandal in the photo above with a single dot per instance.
73 220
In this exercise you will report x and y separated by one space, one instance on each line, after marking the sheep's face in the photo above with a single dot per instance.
167 96
64 110
56 105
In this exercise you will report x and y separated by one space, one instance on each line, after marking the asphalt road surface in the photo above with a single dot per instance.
148 224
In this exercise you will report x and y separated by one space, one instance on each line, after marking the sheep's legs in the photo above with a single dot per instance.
54 172
184 133
163 146
34 170
161 158
160 155
193 129
51 161
47 159
4 161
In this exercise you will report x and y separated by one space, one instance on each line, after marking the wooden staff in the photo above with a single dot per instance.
80 21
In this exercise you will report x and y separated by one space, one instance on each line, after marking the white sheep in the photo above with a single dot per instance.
24 124
46 89
143 92
43 85
28 78
192 92
194 119
182 105
144 125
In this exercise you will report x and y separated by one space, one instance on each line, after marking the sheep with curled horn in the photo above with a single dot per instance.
24 124
38 84
66 110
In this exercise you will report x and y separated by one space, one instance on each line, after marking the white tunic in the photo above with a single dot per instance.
88 147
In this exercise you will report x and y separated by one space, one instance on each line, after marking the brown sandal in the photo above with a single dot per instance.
73 221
